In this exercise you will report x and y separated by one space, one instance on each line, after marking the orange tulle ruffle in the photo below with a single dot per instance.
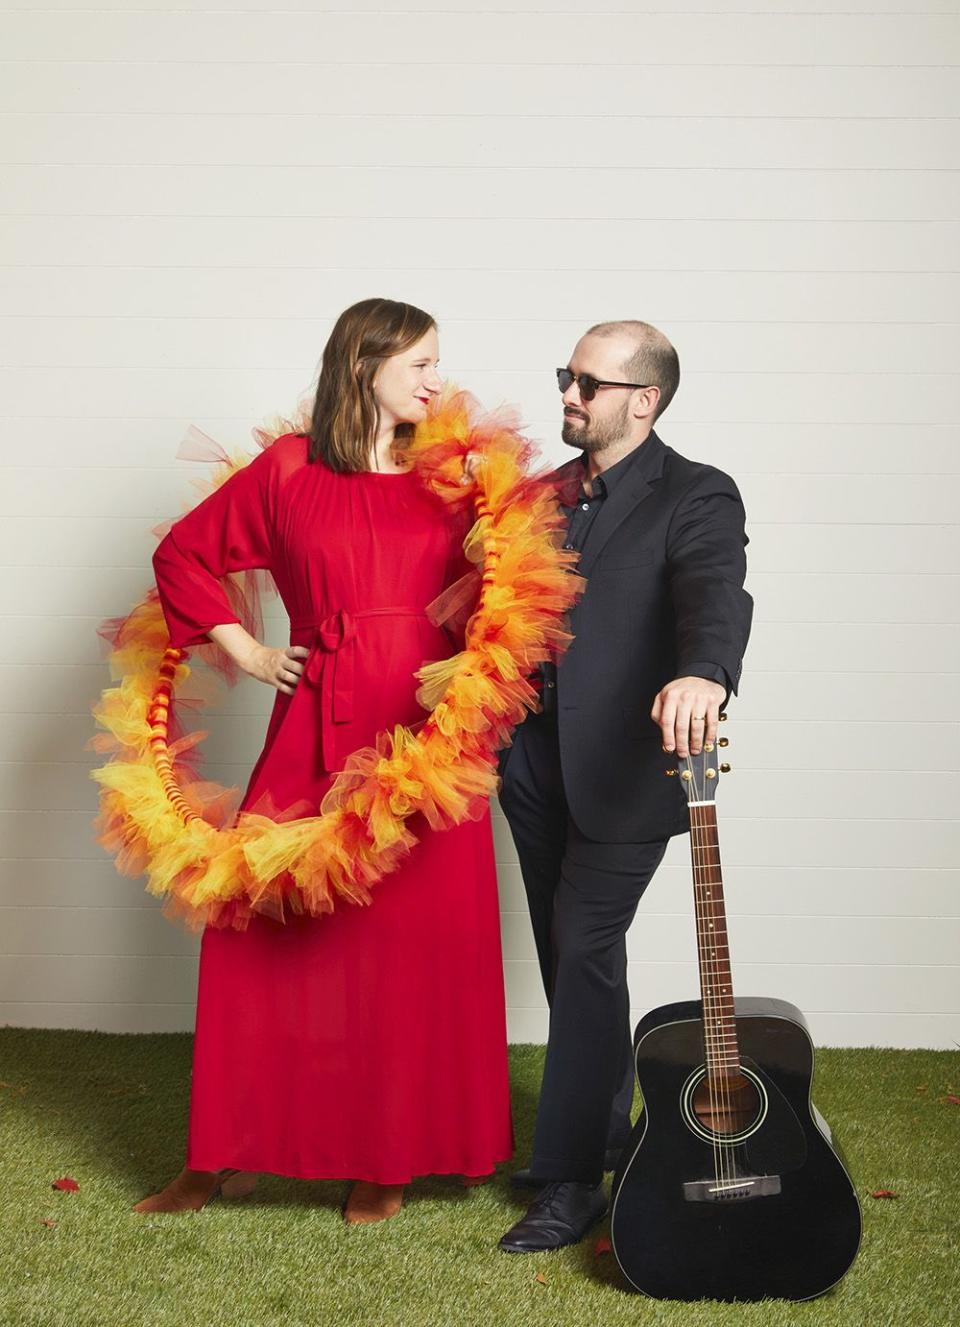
160 819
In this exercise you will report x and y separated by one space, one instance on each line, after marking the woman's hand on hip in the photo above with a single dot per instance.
281 668
278 668
471 466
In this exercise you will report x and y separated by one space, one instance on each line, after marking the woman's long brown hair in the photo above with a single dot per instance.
343 429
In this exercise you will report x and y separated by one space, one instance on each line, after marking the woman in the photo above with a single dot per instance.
368 1044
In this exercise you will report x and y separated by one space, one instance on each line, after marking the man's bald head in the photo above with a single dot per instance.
650 358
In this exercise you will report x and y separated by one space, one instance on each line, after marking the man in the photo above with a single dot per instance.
659 637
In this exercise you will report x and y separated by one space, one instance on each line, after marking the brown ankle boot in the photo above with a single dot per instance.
193 1189
372 1202
472 1181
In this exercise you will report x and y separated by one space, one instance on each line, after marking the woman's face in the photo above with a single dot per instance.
405 383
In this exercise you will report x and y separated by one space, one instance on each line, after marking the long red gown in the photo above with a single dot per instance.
368 1044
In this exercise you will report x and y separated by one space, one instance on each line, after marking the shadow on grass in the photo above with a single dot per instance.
118 1105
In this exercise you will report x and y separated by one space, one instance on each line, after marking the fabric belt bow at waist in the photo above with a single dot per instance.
331 665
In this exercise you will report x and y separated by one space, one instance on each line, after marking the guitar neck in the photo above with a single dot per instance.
722 1053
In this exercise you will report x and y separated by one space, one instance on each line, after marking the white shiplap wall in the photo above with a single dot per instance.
191 193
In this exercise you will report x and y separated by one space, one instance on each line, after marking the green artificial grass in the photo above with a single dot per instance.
110 1111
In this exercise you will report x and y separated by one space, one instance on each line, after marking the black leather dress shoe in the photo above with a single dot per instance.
561 1214
525 1178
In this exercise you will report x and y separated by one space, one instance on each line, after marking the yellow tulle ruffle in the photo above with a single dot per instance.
159 819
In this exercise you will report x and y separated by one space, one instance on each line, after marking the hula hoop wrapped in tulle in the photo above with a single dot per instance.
158 818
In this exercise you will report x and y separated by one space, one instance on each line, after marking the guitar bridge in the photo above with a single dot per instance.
733 1188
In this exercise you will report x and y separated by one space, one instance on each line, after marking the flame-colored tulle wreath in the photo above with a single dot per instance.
159 819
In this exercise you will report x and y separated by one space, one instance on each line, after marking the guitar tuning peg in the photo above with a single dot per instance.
724 769
723 741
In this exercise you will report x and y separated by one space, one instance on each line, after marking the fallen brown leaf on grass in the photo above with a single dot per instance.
602 1246
952 1100
883 1193
66 1183
541 1279
48 1223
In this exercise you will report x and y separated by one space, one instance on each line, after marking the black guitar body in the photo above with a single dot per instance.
758 1208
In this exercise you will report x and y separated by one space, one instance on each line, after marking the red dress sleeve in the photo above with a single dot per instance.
229 531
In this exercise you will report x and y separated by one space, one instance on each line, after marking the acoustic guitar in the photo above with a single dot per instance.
731 1187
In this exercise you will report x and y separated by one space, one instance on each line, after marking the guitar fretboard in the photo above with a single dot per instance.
713 951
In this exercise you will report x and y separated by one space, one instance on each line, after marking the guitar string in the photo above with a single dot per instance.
725 997
728 1015
709 1039
727 1020
720 1081
711 1043
719 1086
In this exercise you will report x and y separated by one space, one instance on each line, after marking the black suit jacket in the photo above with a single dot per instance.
665 566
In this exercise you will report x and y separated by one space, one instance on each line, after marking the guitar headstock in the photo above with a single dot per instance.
700 774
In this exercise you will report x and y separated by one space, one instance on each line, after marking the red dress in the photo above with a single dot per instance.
369 1044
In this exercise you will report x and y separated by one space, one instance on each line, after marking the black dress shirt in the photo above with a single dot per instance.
580 518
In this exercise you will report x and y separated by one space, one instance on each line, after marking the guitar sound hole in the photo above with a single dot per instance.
727 1105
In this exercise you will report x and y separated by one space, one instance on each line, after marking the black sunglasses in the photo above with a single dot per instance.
590 386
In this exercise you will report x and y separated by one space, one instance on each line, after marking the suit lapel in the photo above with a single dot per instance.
632 489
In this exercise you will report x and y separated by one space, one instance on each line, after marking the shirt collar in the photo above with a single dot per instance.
605 483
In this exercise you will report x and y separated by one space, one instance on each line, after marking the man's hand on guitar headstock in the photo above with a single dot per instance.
687 711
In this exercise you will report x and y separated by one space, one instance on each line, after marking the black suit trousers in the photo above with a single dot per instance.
582 896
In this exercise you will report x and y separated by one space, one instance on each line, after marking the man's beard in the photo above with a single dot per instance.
594 436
